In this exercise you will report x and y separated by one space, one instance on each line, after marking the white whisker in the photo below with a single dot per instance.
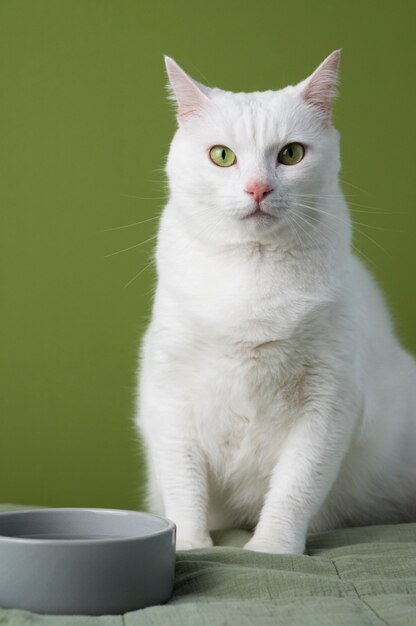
155 217
125 195
136 245
342 220
138 273
354 186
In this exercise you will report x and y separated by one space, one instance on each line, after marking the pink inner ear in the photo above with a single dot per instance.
320 88
190 103
188 93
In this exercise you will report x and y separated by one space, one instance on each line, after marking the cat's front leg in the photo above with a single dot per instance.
181 477
185 492
177 479
302 478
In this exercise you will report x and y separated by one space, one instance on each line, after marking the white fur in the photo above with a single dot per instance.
273 393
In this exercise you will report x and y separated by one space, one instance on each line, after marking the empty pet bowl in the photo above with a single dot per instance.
85 561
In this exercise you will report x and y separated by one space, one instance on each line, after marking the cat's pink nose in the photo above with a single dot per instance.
258 190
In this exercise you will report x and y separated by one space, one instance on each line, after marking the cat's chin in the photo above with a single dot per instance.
259 222
258 215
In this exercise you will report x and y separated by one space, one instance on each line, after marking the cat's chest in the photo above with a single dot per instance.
244 297
243 407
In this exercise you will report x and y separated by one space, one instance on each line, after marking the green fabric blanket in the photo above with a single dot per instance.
354 576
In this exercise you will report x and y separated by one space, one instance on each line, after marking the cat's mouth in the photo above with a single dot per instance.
258 213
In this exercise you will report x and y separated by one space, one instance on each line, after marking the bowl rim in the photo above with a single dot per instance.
9 539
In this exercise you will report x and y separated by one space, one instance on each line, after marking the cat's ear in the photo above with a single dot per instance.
320 88
190 96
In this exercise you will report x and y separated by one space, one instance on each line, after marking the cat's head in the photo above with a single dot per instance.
245 166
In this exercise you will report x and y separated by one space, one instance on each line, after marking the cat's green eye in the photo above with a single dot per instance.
222 156
291 154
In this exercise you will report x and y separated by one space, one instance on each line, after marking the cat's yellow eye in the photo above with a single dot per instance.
291 154
222 156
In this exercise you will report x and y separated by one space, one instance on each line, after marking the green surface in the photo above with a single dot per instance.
85 128
350 577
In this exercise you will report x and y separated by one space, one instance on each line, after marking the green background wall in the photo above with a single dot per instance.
84 129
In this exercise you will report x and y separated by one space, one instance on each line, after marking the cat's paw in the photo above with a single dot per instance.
190 543
274 547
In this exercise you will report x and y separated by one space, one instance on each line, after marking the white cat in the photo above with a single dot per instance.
273 393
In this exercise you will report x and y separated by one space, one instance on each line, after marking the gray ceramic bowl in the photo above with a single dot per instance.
85 561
